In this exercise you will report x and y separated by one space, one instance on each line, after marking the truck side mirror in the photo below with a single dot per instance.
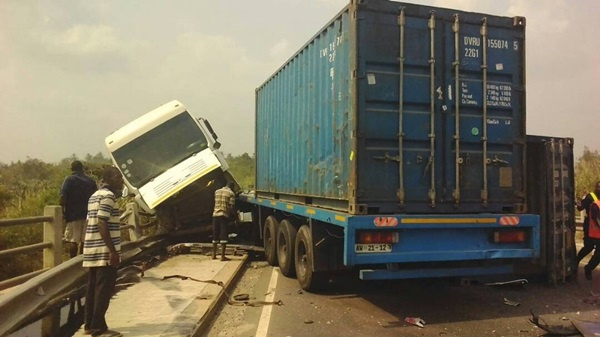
210 129
217 145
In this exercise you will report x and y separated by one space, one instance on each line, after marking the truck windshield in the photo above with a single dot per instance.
159 149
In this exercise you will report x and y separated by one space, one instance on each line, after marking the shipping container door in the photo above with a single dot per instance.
484 95
551 191
392 180
440 110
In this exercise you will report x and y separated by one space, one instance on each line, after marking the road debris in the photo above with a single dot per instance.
594 299
511 303
418 321
241 297
559 330
518 282
230 300
587 329
308 321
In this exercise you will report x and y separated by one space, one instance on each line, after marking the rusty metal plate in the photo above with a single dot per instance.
505 177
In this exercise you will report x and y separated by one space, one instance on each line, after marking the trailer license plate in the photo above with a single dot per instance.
373 248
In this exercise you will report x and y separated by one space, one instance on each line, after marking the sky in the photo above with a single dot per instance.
71 72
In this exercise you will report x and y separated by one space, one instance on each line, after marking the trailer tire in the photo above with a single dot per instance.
270 240
304 254
286 241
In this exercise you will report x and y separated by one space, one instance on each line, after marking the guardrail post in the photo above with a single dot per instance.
135 233
52 258
53 233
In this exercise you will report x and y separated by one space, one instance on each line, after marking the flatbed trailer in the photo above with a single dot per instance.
312 242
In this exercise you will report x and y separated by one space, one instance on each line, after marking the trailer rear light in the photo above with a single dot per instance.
510 236
378 237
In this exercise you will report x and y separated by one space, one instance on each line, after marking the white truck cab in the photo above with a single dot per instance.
163 152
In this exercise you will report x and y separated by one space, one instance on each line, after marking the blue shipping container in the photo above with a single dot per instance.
398 108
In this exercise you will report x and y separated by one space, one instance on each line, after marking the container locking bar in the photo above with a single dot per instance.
553 203
457 160
563 224
431 25
484 191
400 192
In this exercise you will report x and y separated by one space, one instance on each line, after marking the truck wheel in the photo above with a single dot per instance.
270 239
303 253
286 240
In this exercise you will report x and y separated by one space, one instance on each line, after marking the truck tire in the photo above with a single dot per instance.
270 240
303 254
286 241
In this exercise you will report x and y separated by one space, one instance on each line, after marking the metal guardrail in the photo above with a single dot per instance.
51 244
53 236
34 295
30 299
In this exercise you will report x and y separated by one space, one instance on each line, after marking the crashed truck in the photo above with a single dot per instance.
171 164
392 143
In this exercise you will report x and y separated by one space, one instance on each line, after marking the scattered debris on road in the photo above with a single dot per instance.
418 321
587 329
518 282
511 303
594 299
559 330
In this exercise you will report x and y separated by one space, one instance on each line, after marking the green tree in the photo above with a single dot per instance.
242 168
25 189
587 171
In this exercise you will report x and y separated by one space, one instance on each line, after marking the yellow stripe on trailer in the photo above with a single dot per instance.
340 218
447 220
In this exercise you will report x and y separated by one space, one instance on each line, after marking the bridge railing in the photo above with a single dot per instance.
41 298
51 243
33 297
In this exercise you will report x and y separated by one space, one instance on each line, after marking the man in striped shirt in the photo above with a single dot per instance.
101 252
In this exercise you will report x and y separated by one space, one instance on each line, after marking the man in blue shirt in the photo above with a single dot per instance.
75 192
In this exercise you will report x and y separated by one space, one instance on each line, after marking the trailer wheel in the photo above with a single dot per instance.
286 240
270 240
303 253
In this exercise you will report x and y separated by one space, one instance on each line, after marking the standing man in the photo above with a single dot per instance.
222 215
594 236
75 192
101 252
585 204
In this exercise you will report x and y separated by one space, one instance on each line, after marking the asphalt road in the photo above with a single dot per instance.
354 308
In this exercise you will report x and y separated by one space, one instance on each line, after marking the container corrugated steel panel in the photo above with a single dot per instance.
551 191
333 131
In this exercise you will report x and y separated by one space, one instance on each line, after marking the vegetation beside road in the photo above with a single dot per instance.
26 187
587 172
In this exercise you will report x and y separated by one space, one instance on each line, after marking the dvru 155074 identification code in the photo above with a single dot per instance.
373 248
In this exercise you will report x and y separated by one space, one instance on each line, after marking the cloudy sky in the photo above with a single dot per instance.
72 71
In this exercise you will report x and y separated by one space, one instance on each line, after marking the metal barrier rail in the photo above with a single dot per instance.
51 244
53 235
24 221
42 289
19 305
